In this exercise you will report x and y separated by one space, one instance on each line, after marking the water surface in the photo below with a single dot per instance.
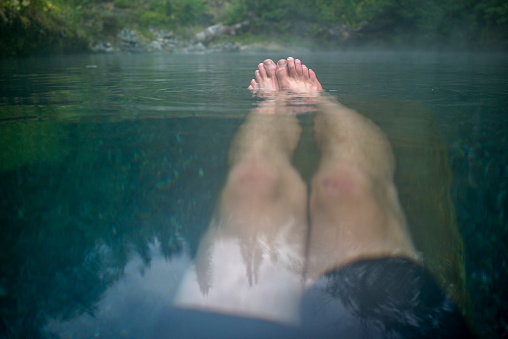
110 168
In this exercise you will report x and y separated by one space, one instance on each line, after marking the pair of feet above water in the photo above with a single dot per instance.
287 75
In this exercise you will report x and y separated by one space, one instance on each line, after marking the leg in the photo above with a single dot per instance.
251 260
355 211
262 184
357 222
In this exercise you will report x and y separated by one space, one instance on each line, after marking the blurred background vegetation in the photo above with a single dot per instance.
42 26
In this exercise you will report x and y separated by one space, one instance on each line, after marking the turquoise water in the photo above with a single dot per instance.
110 168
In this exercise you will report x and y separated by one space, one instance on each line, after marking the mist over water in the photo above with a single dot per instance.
111 165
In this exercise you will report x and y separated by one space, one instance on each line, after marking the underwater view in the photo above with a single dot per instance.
112 167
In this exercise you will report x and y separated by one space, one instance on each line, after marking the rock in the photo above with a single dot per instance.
128 36
155 46
165 41
130 42
197 47
163 34
239 27
211 32
103 47
340 33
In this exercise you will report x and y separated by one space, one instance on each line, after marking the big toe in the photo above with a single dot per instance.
292 67
282 73
270 67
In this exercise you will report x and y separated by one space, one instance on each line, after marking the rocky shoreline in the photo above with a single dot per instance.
211 39
162 40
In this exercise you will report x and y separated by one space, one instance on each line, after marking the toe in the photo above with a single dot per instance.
262 71
298 66
291 67
270 67
282 66
253 84
305 72
259 79
314 80
282 73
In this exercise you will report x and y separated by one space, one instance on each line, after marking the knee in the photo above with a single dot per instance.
252 178
342 184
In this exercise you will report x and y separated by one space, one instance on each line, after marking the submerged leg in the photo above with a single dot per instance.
362 282
354 207
251 260
263 190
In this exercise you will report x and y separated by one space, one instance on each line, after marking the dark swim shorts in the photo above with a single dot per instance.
381 298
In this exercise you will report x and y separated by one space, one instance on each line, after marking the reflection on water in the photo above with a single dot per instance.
97 163
130 305
121 185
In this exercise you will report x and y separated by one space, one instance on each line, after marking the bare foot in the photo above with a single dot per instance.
293 76
266 81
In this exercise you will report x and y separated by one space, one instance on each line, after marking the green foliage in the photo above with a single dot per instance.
349 12
493 12
150 18
36 26
186 12
124 4
234 12
192 11
408 22
166 13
